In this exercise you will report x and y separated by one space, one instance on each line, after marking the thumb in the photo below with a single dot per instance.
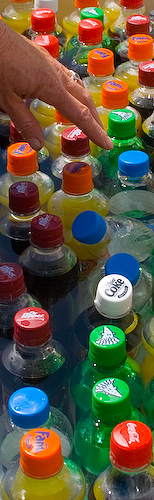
26 123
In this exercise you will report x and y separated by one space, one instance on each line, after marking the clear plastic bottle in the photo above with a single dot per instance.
22 165
134 24
117 30
42 471
17 14
110 405
100 69
129 474
77 194
35 359
142 98
29 408
107 358
74 148
53 5
140 48
147 135
52 136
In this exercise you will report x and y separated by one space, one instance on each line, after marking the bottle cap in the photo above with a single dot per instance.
137 23
131 446
89 227
60 118
50 43
15 136
131 4
114 296
40 453
133 163
81 4
12 283
140 47
21 159
90 31
146 73
107 346
23 198
47 231
124 264
100 62
46 4
92 12
74 142
114 93
29 408
111 400
31 326
121 124
20 1
77 178
43 20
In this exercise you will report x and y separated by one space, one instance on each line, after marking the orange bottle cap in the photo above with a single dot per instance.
40 453
82 4
60 118
140 47
77 178
21 159
114 94
100 62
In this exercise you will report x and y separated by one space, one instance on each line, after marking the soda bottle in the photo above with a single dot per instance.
142 97
107 358
147 134
34 359
134 24
42 23
89 13
52 270
111 10
117 31
17 14
74 148
128 475
29 408
77 194
22 165
110 405
70 22
140 48
53 5
42 471
52 136
100 69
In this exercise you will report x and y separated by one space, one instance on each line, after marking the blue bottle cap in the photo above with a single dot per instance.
29 408
124 264
89 227
133 163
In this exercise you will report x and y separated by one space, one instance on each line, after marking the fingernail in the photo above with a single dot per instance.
35 143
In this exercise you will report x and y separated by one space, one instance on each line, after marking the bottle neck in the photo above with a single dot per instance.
130 11
146 90
109 422
134 64
14 217
23 430
135 182
106 369
70 158
21 297
130 472
22 7
100 79
92 44
31 350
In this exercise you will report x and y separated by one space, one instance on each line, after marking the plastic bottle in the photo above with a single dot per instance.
134 24
117 30
77 194
52 136
107 358
111 10
112 306
22 166
43 23
147 364
42 471
89 13
110 405
53 5
147 134
74 148
128 475
52 270
114 96
140 48
143 97
34 359
100 69
29 408
70 22
17 14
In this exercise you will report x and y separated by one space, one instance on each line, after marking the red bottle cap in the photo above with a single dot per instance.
23 198
15 136
77 178
47 231
50 43
90 31
40 453
137 23
140 47
146 73
131 446
43 20
74 142
100 62
114 94
31 326
131 4
12 283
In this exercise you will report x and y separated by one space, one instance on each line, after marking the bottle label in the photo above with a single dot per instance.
75 167
76 132
149 66
44 221
92 10
21 188
8 271
107 338
37 442
102 53
133 436
140 38
123 115
33 315
116 288
112 85
138 18
22 149
108 388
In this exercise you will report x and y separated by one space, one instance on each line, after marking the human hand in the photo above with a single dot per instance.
28 71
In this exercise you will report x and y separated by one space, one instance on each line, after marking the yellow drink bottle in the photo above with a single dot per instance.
52 134
18 15
43 473
117 30
140 48
70 22
100 68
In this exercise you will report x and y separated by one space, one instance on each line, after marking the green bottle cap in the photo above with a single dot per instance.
111 401
121 124
107 346
92 13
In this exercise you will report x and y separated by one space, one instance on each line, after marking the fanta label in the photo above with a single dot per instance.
36 442
22 149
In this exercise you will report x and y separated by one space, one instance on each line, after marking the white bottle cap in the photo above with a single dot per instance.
46 4
114 296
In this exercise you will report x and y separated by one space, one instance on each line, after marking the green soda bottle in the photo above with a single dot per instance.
107 357
111 405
